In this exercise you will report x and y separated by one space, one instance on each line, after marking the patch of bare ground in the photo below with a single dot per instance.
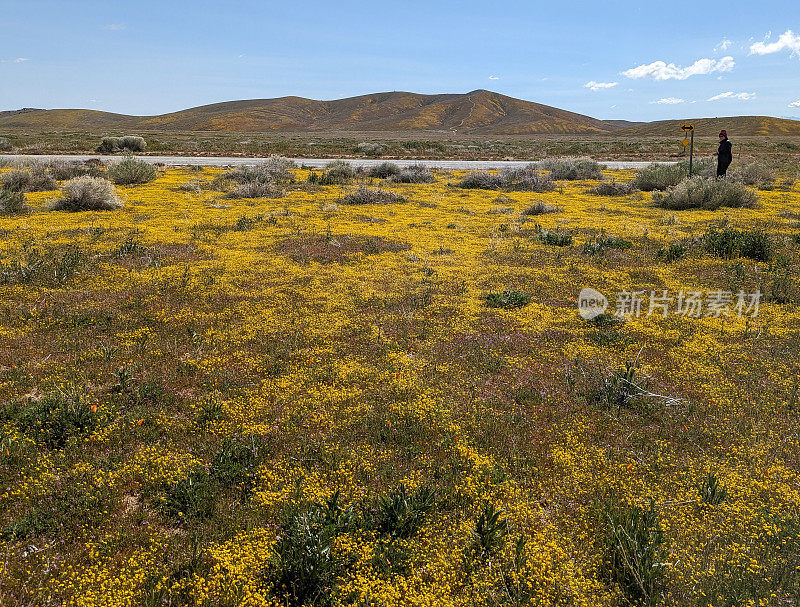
337 248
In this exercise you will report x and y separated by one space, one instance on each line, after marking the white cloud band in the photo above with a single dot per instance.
669 101
732 95
659 70
786 41
599 86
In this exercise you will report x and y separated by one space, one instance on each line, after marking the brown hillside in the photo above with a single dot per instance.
480 112
741 126
65 120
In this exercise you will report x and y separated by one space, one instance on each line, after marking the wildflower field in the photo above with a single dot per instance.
330 398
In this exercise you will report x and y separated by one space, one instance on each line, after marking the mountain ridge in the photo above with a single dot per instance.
479 112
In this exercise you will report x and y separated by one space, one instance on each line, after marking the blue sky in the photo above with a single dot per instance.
640 60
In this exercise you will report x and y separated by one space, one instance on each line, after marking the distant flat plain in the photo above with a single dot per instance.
428 146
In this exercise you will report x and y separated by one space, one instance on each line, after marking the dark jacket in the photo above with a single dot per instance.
724 151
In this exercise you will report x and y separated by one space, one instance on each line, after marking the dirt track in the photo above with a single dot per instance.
221 161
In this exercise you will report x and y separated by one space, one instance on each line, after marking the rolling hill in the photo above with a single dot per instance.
86 120
480 112
747 126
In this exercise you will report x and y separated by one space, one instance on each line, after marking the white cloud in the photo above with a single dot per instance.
669 101
732 95
114 27
724 45
599 86
17 60
786 41
794 103
659 70
494 77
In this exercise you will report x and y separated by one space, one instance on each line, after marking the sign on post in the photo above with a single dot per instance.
689 128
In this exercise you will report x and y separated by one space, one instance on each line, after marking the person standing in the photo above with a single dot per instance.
723 154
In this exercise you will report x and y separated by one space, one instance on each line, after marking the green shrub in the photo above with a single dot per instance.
336 172
659 176
369 148
133 143
599 244
613 188
306 564
12 202
662 176
5 145
128 143
52 420
755 244
508 299
74 502
132 171
722 243
621 389
191 498
572 168
729 243
256 189
62 170
236 463
711 491
194 186
606 321
754 173
634 552
781 285
108 145
672 252
131 247
245 224
489 532
36 521
34 179
275 170
526 179
384 170
705 193
87 194
401 514
556 238
365 195
35 266
417 173
276 162
540 208
480 180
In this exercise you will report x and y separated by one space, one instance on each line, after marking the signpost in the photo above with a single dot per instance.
688 128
